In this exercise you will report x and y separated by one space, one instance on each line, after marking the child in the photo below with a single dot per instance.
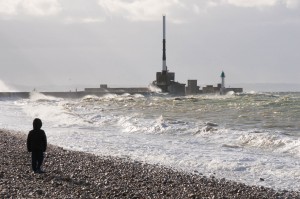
37 144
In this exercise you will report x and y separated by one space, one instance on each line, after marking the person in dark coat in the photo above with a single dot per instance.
37 145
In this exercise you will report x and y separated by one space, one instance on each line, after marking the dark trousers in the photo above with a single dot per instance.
37 158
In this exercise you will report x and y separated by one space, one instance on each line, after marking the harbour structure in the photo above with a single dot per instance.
193 89
120 90
210 89
222 90
79 94
165 80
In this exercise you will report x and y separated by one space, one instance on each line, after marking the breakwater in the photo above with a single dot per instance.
78 94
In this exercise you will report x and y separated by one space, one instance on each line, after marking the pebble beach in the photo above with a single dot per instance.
72 174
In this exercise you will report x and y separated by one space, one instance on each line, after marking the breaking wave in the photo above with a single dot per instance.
242 137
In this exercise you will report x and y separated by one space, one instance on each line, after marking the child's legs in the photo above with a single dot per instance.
40 159
34 160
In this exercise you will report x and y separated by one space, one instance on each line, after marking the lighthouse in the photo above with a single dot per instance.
223 90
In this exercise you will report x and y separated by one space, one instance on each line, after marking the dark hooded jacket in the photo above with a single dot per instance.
37 140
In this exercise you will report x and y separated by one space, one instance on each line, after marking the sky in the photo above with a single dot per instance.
79 43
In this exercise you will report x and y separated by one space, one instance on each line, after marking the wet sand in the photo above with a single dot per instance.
71 174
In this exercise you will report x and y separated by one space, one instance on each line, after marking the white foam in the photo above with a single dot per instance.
252 92
125 94
138 96
273 142
36 96
51 109
110 96
230 93
90 97
154 88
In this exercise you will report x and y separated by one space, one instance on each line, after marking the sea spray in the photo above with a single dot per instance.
5 88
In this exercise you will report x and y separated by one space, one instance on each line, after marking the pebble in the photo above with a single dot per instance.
71 174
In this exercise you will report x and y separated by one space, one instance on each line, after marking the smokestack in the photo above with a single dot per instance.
164 66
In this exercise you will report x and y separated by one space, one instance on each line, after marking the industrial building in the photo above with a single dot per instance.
192 88
165 80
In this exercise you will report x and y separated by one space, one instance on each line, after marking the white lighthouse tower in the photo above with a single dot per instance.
223 90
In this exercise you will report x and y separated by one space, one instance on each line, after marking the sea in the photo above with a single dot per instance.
252 138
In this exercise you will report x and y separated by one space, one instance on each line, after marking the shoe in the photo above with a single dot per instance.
40 171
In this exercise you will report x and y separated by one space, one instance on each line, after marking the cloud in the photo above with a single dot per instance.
86 20
141 10
151 10
9 7
41 7
82 11
292 4
29 7
252 3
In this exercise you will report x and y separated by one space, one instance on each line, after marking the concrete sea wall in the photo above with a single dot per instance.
79 94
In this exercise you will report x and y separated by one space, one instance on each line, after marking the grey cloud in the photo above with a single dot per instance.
32 7
86 44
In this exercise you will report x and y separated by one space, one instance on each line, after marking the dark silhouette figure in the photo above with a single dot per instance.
37 145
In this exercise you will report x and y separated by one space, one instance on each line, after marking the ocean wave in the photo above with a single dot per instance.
39 97
271 141
237 137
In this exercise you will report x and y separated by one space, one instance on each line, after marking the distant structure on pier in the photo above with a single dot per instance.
193 89
120 90
165 80
223 91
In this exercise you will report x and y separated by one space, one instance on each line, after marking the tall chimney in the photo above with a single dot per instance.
164 66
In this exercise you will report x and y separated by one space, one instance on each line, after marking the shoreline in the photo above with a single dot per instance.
73 174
